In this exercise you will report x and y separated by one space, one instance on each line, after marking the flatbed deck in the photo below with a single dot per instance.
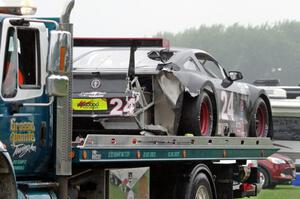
122 148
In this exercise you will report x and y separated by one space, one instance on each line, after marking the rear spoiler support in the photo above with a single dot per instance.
131 68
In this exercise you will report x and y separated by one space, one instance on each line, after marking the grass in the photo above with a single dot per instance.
280 192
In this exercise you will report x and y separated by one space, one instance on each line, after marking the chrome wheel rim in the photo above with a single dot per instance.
202 193
262 178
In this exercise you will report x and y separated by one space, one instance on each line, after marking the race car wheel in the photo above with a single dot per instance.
259 126
205 116
198 115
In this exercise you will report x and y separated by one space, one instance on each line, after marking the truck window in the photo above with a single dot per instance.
9 79
21 64
29 66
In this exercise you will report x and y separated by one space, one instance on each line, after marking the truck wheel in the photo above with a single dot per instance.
264 178
198 115
201 188
8 187
259 126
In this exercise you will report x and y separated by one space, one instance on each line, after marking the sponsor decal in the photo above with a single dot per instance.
95 83
118 154
89 104
23 149
149 155
240 129
92 94
96 155
174 154
22 138
19 165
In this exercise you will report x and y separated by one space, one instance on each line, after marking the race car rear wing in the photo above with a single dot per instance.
121 42
133 43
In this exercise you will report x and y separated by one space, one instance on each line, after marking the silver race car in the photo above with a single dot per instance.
142 86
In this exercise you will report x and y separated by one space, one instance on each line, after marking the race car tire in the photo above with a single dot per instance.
260 122
198 116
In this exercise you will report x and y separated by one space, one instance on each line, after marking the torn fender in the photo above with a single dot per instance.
169 89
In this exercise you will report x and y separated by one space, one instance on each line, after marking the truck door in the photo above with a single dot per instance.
24 129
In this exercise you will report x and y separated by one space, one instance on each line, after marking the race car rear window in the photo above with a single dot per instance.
112 58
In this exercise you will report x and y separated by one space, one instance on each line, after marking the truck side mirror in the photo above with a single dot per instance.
59 54
59 63
57 85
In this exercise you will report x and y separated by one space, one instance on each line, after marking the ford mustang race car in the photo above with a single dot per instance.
141 86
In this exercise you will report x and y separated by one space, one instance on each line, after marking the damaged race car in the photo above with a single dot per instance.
142 86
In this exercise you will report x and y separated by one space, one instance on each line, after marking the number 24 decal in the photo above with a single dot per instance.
120 109
227 108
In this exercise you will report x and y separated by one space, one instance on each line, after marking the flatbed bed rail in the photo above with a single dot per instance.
123 148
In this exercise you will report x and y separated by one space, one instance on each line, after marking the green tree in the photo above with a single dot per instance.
267 51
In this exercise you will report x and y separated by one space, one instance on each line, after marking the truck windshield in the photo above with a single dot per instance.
112 58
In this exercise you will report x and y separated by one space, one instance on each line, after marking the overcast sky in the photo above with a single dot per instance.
128 18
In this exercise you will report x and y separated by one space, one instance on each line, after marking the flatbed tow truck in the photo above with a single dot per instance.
175 162
36 128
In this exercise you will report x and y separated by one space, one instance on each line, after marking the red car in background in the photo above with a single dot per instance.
276 169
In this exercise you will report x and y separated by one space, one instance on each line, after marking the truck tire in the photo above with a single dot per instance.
8 187
260 122
198 115
201 188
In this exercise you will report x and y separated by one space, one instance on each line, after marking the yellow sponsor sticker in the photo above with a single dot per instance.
98 104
